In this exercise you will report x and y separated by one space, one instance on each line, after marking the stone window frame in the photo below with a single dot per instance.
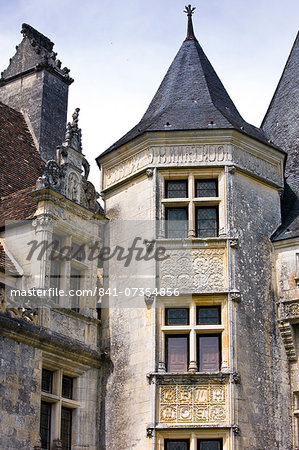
193 330
296 419
66 266
193 436
192 202
57 401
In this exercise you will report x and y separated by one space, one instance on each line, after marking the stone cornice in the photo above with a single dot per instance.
50 341
193 150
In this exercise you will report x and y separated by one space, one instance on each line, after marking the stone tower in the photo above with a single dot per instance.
35 84
197 358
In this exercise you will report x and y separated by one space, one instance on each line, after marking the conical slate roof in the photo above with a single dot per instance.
190 97
281 126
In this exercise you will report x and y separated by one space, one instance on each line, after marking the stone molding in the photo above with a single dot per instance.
185 155
288 339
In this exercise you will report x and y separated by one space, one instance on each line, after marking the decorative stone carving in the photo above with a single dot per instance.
257 165
193 270
161 367
72 190
149 300
236 378
288 340
86 167
236 429
89 196
289 310
149 172
149 431
43 223
200 404
73 134
52 177
232 170
235 296
234 242
194 155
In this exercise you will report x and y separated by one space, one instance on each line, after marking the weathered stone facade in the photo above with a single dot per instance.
187 338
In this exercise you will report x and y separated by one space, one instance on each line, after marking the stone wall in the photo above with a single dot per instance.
259 354
20 395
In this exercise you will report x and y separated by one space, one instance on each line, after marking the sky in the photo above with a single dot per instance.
119 52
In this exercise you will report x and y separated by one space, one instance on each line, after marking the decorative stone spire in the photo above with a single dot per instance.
190 32
73 135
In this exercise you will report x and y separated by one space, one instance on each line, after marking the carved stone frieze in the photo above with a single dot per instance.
194 270
200 404
289 310
189 155
257 165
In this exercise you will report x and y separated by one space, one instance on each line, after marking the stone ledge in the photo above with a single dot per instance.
40 337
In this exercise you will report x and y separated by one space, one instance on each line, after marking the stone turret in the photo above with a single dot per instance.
35 84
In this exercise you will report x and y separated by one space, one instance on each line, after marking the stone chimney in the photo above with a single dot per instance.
35 84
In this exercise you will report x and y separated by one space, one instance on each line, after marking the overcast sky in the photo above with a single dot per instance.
119 51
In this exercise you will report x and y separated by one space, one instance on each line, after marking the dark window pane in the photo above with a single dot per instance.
208 316
209 353
176 189
45 425
177 353
177 224
206 222
47 379
78 252
57 242
176 444
206 188
177 316
67 387
212 444
75 286
55 272
66 428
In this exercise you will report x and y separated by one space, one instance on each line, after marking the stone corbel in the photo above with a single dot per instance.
234 242
149 300
236 429
43 223
236 378
232 170
149 431
149 172
235 296
149 245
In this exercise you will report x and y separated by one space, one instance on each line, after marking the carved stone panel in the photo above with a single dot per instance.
194 155
194 270
290 310
200 404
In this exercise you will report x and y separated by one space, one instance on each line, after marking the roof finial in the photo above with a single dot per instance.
190 32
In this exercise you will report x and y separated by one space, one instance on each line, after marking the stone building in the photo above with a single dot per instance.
204 354
50 350
197 343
